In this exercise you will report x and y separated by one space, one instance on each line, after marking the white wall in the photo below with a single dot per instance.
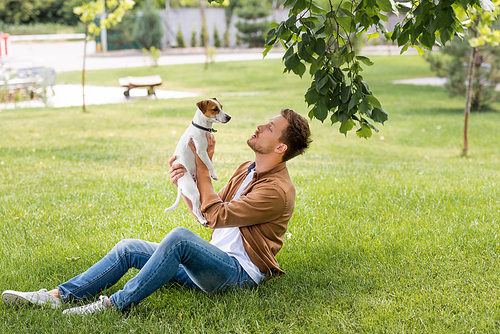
189 19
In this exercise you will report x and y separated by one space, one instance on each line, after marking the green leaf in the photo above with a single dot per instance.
379 115
302 51
343 117
403 37
427 40
405 48
311 96
317 9
419 49
365 88
288 53
320 47
306 38
364 132
266 50
373 101
345 93
271 36
445 34
363 106
370 124
353 102
365 60
388 6
300 69
291 21
299 6
373 36
347 23
292 62
321 83
320 112
346 126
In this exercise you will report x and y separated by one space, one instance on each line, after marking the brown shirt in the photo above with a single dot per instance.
261 212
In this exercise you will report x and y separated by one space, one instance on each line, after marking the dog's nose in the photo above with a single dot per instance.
228 118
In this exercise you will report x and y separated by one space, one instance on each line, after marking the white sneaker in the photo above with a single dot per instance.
42 297
101 305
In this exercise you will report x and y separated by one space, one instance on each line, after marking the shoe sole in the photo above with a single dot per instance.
13 299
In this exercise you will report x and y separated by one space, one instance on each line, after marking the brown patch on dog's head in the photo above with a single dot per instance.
209 108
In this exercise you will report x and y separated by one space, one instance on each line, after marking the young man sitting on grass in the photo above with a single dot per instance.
249 217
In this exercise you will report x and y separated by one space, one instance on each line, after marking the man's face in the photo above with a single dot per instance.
266 138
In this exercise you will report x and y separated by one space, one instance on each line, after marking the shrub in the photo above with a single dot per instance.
194 41
202 36
180 38
217 42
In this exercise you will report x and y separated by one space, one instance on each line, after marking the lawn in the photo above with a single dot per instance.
395 234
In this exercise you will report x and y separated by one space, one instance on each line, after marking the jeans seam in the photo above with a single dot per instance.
105 272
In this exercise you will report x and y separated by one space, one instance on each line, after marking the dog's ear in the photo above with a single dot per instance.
213 98
202 105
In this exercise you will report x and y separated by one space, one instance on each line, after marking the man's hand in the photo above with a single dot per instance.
210 151
175 171
211 145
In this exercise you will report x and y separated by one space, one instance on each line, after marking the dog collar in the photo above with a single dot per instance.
203 128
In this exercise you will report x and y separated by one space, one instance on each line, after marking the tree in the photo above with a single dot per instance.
320 39
253 22
480 22
114 9
148 30
452 63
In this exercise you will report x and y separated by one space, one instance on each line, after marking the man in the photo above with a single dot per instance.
249 217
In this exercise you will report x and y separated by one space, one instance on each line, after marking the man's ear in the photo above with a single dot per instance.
281 148
202 105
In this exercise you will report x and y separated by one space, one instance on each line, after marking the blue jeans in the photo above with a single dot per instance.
181 257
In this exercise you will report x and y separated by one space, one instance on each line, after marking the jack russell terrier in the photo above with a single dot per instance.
209 111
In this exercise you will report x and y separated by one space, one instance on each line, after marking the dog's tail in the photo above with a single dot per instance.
177 201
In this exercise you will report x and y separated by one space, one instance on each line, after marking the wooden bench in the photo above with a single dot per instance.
139 82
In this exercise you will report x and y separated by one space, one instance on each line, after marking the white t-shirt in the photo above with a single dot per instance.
229 240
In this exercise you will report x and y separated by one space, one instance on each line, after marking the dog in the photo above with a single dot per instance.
208 112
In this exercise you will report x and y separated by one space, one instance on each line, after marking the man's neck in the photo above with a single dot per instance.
265 162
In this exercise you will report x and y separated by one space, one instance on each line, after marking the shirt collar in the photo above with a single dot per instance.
277 168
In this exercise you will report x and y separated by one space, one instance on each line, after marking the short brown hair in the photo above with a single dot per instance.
296 136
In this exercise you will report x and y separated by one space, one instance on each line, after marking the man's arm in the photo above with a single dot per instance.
175 172
203 179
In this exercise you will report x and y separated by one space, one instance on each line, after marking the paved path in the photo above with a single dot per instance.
68 56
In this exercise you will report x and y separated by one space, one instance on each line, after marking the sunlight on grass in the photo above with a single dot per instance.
397 233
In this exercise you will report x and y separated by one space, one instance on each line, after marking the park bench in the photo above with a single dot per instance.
26 82
140 82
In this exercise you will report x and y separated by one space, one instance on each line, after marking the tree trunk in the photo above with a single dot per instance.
476 103
83 71
205 32
468 95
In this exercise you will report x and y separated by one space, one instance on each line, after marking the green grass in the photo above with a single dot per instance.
395 234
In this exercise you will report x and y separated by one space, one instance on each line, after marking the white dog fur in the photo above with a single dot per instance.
208 112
